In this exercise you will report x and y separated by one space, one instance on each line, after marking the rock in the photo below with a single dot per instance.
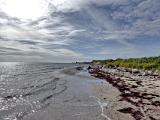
156 103
145 74
150 72
79 68
126 110
155 74
89 67
135 71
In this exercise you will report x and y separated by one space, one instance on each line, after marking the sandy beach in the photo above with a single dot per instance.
111 95
131 95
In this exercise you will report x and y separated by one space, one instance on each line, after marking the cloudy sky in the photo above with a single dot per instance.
78 30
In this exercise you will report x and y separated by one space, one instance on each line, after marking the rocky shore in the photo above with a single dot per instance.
139 89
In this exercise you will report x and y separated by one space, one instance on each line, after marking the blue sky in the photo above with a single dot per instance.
78 30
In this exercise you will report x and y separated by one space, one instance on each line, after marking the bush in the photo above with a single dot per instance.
150 63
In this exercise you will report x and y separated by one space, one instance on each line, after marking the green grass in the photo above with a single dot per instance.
150 63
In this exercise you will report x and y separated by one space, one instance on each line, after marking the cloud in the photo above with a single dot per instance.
72 5
81 29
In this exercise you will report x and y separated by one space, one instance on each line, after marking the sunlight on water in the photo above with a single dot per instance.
9 64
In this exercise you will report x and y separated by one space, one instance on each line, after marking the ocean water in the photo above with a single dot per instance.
44 91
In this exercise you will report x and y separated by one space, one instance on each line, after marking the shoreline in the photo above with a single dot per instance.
48 92
139 93
72 90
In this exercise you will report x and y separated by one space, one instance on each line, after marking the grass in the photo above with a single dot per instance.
145 63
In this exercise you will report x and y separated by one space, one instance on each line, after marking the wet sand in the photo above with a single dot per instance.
76 101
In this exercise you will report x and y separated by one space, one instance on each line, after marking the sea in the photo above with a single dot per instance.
47 91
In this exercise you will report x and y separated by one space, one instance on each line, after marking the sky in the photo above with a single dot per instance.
78 30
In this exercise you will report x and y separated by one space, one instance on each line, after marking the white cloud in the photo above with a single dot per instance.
75 5
79 24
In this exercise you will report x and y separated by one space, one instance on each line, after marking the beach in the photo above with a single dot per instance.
45 91
136 97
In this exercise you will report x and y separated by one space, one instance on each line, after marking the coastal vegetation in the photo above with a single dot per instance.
145 63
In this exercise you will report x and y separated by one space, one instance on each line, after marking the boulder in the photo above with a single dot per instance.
135 71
